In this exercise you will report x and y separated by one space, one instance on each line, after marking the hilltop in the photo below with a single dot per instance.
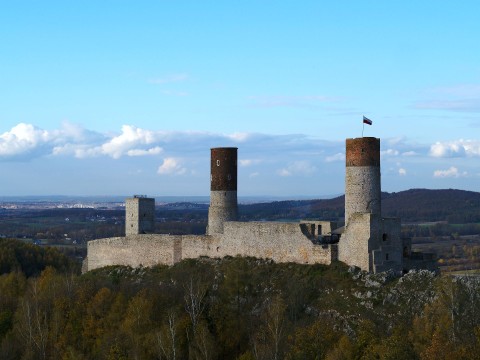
415 205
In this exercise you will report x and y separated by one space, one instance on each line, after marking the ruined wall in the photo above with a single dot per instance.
388 249
281 242
354 246
196 246
134 250
322 227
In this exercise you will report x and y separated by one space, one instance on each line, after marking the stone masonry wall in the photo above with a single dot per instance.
354 245
362 190
388 254
281 242
134 250
223 207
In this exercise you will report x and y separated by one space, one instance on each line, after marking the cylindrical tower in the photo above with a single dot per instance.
362 177
223 189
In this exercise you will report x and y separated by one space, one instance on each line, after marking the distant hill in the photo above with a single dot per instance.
415 205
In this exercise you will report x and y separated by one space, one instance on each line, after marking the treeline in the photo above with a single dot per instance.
30 260
440 229
237 308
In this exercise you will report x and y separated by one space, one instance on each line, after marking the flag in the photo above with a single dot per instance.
367 121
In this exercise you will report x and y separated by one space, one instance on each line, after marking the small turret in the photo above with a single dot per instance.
139 215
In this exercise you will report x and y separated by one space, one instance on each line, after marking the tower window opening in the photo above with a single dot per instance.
384 237
218 162
386 256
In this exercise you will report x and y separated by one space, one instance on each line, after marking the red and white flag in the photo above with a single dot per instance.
367 121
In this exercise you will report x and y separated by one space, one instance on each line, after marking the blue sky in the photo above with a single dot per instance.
123 97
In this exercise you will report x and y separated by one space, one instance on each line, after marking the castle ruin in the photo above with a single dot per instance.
367 241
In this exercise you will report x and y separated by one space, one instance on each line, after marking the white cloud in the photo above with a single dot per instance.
21 139
239 137
249 162
284 172
254 174
302 167
139 152
336 157
130 137
456 148
452 172
402 172
171 166
390 152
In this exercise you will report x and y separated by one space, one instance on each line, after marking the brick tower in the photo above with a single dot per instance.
362 177
223 189
363 221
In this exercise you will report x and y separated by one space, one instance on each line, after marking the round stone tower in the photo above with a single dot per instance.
362 177
223 189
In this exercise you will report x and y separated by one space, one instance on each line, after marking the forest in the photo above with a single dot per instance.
235 308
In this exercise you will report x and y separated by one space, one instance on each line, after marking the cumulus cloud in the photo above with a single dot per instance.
336 157
402 172
302 167
171 166
21 139
452 172
249 162
27 139
239 137
390 152
128 140
139 152
456 148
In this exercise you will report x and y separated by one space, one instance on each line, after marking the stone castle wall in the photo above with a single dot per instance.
281 242
354 246
134 250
